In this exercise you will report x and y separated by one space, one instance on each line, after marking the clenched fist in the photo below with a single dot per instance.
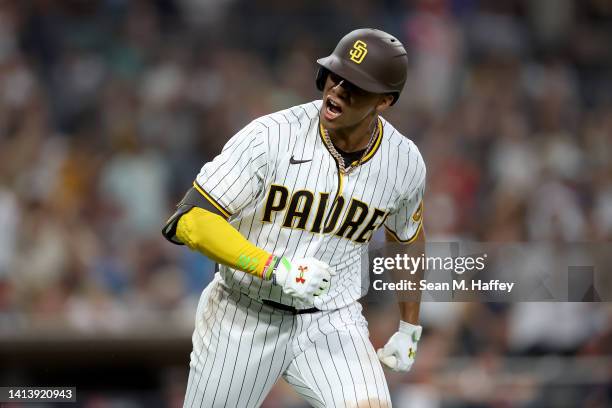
304 279
399 352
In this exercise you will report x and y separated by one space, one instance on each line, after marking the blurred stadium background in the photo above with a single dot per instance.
108 108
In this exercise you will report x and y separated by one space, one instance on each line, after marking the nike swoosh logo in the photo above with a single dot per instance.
294 161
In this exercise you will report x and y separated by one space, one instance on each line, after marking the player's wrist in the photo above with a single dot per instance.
412 330
276 269
268 268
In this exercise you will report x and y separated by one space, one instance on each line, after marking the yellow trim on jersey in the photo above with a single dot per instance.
375 147
210 234
321 131
418 214
211 200
367 157
369 154
405 241
340 175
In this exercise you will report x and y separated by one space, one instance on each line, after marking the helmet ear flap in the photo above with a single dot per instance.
395 97
322 73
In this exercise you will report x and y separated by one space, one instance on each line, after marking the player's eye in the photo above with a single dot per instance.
348 86
336 79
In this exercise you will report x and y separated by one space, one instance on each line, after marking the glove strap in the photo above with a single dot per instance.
413 330
270 267
274 270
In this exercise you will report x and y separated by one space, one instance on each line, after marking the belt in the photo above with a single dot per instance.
289 309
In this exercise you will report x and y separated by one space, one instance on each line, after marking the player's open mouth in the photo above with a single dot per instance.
332 109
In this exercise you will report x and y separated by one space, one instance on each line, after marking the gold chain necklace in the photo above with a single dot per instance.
338 156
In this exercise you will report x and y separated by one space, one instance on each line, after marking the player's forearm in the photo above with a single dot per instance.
409 311
210 234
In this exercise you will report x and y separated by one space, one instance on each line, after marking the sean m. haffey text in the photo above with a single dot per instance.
458 265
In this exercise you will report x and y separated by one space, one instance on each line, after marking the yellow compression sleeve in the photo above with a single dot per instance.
209 233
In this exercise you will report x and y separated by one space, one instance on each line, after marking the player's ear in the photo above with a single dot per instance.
384 102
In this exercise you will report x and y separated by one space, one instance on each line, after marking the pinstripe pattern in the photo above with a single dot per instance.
258 156
242 347
334 363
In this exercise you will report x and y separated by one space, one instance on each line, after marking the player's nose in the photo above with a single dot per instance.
341 89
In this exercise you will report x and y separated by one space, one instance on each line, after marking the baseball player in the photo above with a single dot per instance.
287 209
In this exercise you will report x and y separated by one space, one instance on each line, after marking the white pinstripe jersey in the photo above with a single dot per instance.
282 189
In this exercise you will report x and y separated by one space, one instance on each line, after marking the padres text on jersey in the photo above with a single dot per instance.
283 190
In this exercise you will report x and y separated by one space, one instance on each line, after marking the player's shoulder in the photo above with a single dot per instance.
298 115
410 167
396 140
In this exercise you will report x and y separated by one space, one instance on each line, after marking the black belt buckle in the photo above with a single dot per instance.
289 309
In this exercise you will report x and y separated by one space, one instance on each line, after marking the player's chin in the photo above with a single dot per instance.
332 123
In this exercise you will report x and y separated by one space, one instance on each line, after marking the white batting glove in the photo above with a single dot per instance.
303 279
399 352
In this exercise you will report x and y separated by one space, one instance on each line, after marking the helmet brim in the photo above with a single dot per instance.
353 74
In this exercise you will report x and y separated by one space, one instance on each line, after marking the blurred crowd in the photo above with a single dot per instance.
108 109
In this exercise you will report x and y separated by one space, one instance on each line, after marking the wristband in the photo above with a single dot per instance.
413 330
269 267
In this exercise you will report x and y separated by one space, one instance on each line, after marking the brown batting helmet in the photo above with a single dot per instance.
371 59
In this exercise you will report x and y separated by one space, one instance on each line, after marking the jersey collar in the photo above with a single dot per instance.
368 155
